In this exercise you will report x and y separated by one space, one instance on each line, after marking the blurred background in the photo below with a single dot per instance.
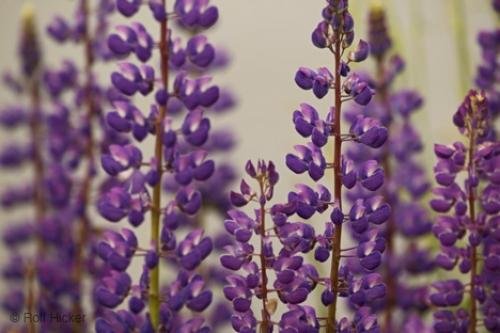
269 39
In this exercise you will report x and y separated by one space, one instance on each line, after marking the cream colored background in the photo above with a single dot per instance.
270 39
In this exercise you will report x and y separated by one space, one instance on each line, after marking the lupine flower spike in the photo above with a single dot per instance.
137 186
252 266
22 268
77 134
335 33
469 211
405 181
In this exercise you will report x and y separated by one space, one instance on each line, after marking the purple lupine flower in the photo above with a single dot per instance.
252 275
387 118
113 290
195 14
334 33
118 248
299 319
464 225
448 321
178 120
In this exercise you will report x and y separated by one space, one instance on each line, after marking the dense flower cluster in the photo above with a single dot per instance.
405 180
467 222
335 33
180 128
272 264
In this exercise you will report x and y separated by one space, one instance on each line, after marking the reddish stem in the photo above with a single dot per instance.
39 200
472 215
85 225
331 325
266 320
154 278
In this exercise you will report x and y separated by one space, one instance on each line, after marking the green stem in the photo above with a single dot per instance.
39 200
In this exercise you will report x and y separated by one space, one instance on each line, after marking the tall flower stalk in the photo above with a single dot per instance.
405 181
296 278
85 228
336 34
178 152
154 279
77 134
31 53
468 215
23 267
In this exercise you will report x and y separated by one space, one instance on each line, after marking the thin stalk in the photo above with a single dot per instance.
331 325
31 297
266 320
472 215
85 227
154 274
382 92
39 200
